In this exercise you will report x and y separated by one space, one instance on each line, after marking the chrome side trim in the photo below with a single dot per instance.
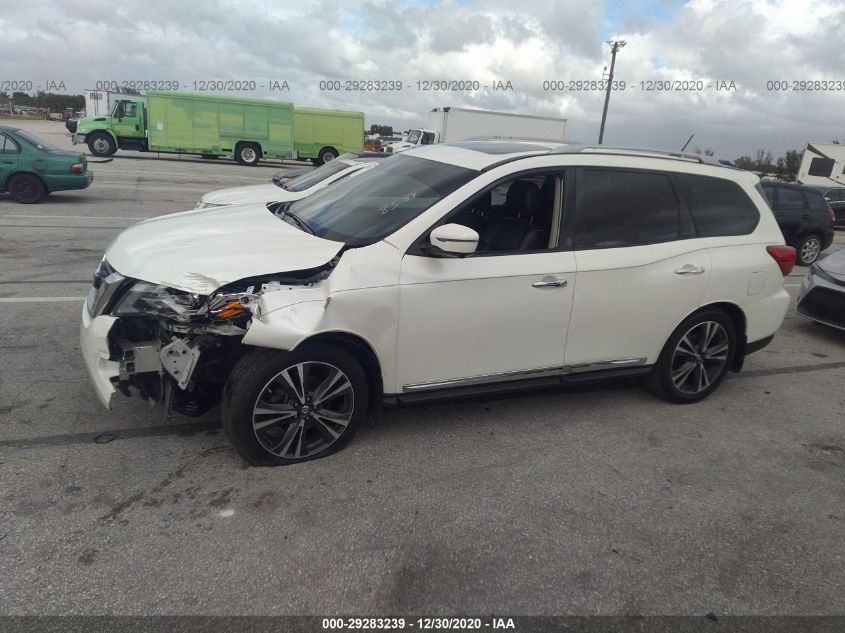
524 374
604 364
486 378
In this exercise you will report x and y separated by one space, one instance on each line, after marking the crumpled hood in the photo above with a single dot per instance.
199 251
834 264
251 194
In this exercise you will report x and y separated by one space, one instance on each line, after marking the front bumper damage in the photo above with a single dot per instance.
184 362
94 344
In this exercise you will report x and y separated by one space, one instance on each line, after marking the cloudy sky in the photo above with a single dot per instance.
525 42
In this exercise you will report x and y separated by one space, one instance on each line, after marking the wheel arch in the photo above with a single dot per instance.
23 172
245 142
363 351
740 323
103 130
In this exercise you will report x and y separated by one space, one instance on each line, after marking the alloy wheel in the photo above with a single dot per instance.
810 250
303 410
25 189
700 356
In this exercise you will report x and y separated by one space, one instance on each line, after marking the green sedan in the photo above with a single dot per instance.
31 168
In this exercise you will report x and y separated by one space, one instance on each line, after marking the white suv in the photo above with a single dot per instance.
446 271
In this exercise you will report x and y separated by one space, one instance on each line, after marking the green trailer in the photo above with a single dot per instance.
208 125
321 135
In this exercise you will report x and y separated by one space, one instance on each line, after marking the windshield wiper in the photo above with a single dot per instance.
302 224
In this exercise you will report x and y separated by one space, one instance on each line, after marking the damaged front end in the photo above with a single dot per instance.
169 345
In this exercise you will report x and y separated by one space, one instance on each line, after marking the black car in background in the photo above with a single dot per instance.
804 216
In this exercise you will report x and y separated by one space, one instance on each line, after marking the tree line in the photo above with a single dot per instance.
54 102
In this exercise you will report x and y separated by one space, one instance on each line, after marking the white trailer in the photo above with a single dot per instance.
450 125
99 102
822 164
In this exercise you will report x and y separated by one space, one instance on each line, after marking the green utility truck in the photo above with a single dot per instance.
212 126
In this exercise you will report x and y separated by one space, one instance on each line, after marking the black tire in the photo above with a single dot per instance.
248 154
101 144
325 155
669 372
259 376
27 188
808 250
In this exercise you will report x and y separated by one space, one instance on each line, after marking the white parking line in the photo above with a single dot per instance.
40 299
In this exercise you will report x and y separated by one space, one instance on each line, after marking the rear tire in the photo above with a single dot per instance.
326 155
248 154
27 188
695 359
101 144
808 250
272 420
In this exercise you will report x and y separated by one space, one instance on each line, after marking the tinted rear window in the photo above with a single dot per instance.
624 208
815 200
718 206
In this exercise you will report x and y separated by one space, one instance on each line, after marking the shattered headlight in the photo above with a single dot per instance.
146 299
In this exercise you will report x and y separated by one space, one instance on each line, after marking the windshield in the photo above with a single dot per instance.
44 146
308 180
414 136
370 204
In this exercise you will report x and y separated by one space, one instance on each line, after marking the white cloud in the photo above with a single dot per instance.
745 41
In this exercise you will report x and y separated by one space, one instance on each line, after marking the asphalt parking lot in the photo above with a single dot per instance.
592 501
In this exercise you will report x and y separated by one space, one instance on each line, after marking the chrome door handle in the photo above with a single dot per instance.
551 283
689 269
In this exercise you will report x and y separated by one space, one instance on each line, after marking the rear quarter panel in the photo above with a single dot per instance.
744 274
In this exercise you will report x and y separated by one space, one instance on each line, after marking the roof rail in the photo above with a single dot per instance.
633 151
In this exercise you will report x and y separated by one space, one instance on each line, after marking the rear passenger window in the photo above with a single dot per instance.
718 206
815 200
790 198
622 208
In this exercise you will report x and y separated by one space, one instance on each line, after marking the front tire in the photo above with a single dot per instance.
290 407
101 144
808 250
695 359
27 189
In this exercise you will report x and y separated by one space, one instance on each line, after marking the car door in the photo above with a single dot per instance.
127 122
491 317
640 268
9 152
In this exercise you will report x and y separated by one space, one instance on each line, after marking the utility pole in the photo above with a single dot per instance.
615 45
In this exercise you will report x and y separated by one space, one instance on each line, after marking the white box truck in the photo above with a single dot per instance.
450 125
822 164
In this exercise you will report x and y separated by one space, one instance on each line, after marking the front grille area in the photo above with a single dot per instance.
823 304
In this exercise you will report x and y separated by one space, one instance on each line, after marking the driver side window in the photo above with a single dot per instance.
518 215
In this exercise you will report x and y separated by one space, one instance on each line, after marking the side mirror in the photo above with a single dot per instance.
454 239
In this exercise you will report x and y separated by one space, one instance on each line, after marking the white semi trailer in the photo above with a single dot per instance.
450 125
